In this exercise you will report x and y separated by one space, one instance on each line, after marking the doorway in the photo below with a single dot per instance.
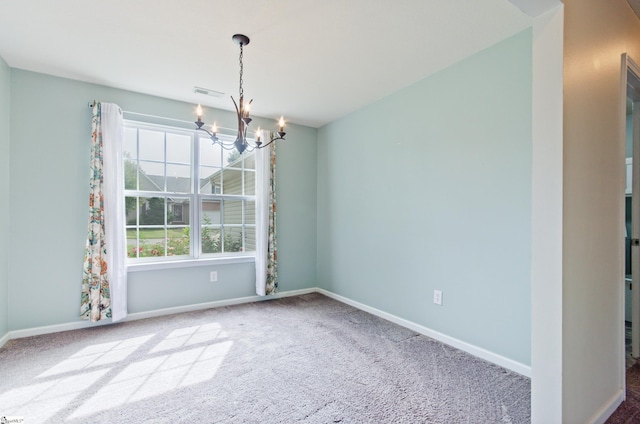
632 208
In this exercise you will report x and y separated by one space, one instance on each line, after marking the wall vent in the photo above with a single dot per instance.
207 92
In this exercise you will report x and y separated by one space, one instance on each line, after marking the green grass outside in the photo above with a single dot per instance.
155 233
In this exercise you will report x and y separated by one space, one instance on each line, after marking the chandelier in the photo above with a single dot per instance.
242 110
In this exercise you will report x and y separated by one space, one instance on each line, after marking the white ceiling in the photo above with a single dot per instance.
537 7
312 61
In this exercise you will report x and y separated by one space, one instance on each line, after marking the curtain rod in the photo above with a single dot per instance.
164 118
93 103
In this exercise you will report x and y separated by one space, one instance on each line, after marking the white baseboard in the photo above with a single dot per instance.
451 341
602 414
35 331
4 339
56 328
216 304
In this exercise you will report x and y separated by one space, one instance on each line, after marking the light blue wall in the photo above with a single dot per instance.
51 126
5 88
430 188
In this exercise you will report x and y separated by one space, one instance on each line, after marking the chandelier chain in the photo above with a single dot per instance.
241 70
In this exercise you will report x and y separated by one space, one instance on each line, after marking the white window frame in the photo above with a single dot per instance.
196 257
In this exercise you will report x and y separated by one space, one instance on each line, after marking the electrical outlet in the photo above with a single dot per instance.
437 297
213 276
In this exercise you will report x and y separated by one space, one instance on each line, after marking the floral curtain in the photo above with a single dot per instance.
104 282
96 298
272 249
266 250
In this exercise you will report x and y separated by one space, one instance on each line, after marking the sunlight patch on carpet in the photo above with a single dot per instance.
190 336
98 355
156 376
39 402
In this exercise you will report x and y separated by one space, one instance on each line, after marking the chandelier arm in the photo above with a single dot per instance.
250 148
236 106
216 140
207 131
262 146
238 114
225 146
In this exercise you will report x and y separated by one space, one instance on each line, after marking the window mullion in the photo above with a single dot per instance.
166 224
223 190
196 200
164 189
137 159
243 234
137 227
244 193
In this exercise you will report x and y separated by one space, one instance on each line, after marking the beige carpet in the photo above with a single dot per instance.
306 358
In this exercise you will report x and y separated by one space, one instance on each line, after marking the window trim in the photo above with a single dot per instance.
189 262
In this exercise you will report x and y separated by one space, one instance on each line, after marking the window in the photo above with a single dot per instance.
184 197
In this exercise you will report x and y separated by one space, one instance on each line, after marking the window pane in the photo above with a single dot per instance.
148 250
151 235
210 155
250 160
130 143
250 239
211 240
130 175
151 145
178 148
178 241
250 212
250 183
229 156
177 211
178 178
151 212
211 212
232 211
231 181
213 181
233 159
151 176
214 155
233 239
210 181
151 242
131 210
132 251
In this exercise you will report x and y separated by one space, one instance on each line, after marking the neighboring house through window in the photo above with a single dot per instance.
186 198
177 213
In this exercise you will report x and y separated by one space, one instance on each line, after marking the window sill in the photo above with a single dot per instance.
188 263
